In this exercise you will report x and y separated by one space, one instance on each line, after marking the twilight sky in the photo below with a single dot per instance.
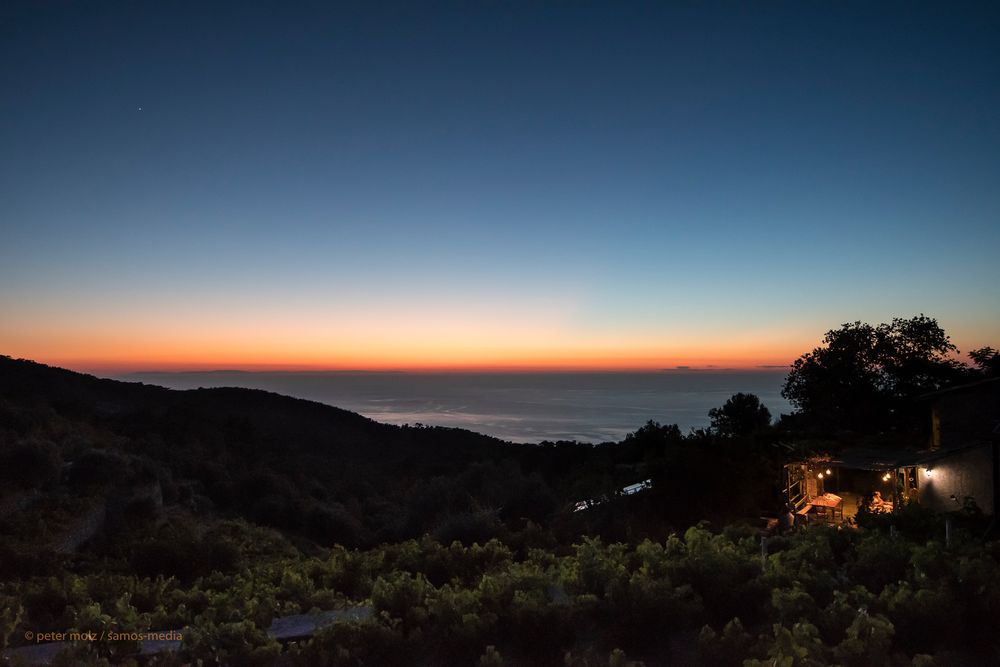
491 184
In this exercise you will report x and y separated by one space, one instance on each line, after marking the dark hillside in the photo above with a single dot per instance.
268 422
309 468
334 476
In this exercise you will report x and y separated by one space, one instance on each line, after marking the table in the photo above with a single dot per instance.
829 502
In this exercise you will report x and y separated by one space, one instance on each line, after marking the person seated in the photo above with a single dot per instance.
877 504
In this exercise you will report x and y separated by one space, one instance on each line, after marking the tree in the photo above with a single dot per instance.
866 377
987 361
742 415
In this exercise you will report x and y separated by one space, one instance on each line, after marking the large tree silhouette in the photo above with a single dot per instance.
866 378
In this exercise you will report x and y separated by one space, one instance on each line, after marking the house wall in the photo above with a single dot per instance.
965 473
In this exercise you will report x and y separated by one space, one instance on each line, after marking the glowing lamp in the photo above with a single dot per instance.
820 475
829 472
928 472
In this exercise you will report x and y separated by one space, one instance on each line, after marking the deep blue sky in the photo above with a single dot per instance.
492 182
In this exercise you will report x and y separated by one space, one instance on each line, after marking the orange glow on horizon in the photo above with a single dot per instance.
444 342
100 367
134 359
483 340
439 356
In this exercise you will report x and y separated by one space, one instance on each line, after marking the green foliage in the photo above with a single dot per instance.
838 616
232 643
506 584
793 605
491 658
725 575
922 617
907 518
868 642
178 552
798 646
829 596
402 595
880 560
596 568
357 645
728 649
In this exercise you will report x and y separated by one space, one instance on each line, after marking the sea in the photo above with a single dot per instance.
518 407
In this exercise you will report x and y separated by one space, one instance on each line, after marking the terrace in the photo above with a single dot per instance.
832 488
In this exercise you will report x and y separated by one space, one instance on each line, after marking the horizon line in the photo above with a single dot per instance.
123 369
436 370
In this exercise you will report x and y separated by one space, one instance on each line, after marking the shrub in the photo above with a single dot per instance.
881 560
30 464
98 468
729 649
468 527
332 525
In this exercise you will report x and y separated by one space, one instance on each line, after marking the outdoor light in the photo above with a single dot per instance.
820 475
828 472
928 472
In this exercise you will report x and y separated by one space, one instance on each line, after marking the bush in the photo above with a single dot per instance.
726 650
881 560
98 468
468 527
332 525
910 520
357 644
401 595
183 556
30 464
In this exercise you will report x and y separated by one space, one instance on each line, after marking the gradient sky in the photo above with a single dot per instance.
491 184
